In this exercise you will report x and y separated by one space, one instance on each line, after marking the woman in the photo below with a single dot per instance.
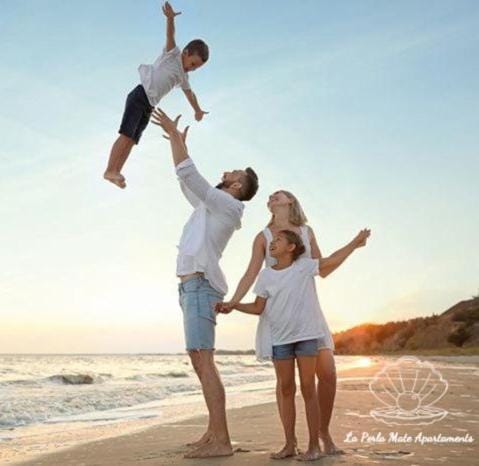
287 214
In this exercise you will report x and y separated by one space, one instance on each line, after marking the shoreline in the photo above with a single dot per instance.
256 431
41 440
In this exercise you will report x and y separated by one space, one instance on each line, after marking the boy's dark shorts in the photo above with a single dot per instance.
136 114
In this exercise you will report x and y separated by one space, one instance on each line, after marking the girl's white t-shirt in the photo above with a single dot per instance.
292 306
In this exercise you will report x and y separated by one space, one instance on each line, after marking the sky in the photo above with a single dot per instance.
366 110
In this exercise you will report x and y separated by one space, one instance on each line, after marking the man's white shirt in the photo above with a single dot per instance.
205 235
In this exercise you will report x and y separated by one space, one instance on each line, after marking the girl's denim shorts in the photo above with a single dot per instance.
298 348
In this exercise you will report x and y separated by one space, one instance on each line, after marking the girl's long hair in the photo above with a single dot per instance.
296 213
294 238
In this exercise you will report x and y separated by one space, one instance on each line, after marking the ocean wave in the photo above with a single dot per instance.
50 389
24 407
74 379
253 363
23 382
62 379
153 376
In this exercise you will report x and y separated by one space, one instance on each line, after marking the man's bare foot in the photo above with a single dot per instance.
329 446
210 449
115 178
310 455
204 438
286 452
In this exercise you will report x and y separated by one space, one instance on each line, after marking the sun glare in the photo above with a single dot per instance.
364 362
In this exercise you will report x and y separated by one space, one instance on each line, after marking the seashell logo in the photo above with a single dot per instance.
408 388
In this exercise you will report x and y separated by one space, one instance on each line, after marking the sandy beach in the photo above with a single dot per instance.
256 431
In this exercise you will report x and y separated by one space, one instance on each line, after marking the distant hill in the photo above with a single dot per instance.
458 327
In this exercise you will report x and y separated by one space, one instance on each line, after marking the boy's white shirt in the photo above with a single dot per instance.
292 308
205 235
163 75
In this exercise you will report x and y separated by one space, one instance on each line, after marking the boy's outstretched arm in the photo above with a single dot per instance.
170 25
190 95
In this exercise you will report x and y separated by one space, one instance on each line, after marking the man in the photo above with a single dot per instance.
217 214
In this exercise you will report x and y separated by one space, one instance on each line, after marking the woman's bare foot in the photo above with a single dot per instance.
310 455
286 452
204 438
211 448
115 178
329 447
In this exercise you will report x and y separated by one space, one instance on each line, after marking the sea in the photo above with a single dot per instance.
52 401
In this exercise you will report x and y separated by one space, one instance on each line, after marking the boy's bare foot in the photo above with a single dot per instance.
211 448
115 178
286 452
204 438
329 446
311 455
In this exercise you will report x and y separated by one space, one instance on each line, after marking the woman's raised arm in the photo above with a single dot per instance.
332 262
255 264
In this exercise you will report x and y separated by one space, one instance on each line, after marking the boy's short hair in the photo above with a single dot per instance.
198 47
249 184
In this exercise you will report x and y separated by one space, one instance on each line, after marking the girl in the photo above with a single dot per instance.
286 295
288 214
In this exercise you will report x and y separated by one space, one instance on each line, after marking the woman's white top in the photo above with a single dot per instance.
264 336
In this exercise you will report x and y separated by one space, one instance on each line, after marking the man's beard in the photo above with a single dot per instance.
224 184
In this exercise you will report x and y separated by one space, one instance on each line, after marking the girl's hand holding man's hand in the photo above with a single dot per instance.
224 307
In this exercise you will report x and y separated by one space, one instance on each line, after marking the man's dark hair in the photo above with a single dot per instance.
249 184
198 47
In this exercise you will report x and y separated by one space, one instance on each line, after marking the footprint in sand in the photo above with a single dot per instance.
391 455
241 450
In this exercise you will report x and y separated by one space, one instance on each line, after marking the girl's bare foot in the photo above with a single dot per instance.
329 446
115 178
310 455
286 452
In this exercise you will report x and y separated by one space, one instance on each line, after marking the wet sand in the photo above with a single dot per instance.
256 430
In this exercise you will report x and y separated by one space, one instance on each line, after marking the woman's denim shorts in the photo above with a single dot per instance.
197 300
298 348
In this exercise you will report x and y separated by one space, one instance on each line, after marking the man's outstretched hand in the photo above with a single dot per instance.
160 118
179 151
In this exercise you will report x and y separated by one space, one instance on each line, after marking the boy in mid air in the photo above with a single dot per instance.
169 70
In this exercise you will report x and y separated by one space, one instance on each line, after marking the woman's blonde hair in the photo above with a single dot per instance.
296 214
